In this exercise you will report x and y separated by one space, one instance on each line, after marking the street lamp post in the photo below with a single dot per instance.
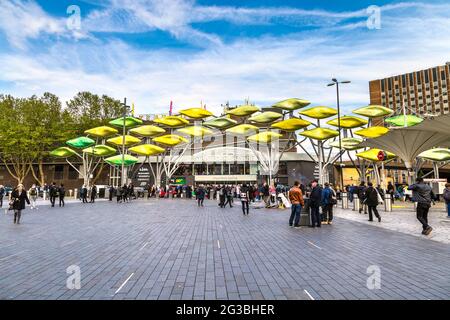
336 82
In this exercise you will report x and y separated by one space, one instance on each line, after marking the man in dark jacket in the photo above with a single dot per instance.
200 194
447 198
2 194
93 193
371 201
327 204
84 194
315 198
62 194
391 191
266 194
423 195
53 193
361 194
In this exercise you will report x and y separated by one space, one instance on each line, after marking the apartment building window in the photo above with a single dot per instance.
390 84
443 75
59 172
73 174
382 85
427 79
419 78
434 74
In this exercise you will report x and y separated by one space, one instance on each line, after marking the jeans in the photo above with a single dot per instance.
52 200
61 201
422 214
315 216
327 211
448 209
245 207
33 200
17 214
200 201
295 213
375 211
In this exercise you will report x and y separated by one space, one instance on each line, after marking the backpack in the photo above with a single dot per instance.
33 192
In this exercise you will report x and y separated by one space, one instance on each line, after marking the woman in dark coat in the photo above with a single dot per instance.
371 200
18 198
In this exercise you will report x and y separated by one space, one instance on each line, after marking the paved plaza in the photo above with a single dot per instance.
170 249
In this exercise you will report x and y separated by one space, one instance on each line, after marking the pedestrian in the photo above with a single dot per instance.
111 192
33 195
84 194
424 196
93 193
18 198
372 199
245 197
297 202
361 191
315 198
62 194
2 194
328 200
391 191
446 196
228 197
119 194
200 194
53 191
266 194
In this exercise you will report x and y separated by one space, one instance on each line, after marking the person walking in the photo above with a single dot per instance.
53 191
111 192
2 194
391 191
245 197
315 198
93 193
200 194
446 196
18 199
228 197
33 195
62 194
297 202
266 194
361 194
119 194
84 194
424 196
328 201
372 199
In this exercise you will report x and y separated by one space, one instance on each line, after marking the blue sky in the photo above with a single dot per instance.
190 51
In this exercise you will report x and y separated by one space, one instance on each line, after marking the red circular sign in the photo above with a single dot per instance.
381 155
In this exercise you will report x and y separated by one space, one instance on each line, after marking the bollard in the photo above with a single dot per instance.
70 193
75 193
356 204
344 198
387 203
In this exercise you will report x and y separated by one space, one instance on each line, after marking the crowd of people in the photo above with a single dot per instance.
318 200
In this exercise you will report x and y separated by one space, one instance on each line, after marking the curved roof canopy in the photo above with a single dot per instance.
147 131
290 125
196 113
436 154
291 104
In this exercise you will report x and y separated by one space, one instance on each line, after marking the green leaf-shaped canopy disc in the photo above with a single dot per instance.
320 133
101 132
291 104
291 125
100 150
437 154
372 132
117 160
170 140
62 152
172 121
243 129
399 121
118 141
147 131
348 122
220 123
348 143
129 122
372 155
196 113
81 142
265 117
265 137
195 131
373 111
319 112
146 150
243 111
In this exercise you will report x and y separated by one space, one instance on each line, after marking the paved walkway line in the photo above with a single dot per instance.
123 284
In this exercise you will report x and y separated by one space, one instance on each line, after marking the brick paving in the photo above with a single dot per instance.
170 249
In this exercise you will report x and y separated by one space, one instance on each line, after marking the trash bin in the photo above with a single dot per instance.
344 197
356 204
305 214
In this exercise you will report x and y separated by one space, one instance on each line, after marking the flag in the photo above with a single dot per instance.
132 109
170 110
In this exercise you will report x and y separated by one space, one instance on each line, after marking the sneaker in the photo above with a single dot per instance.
330 222
428 231
379 219
297 227
290 225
